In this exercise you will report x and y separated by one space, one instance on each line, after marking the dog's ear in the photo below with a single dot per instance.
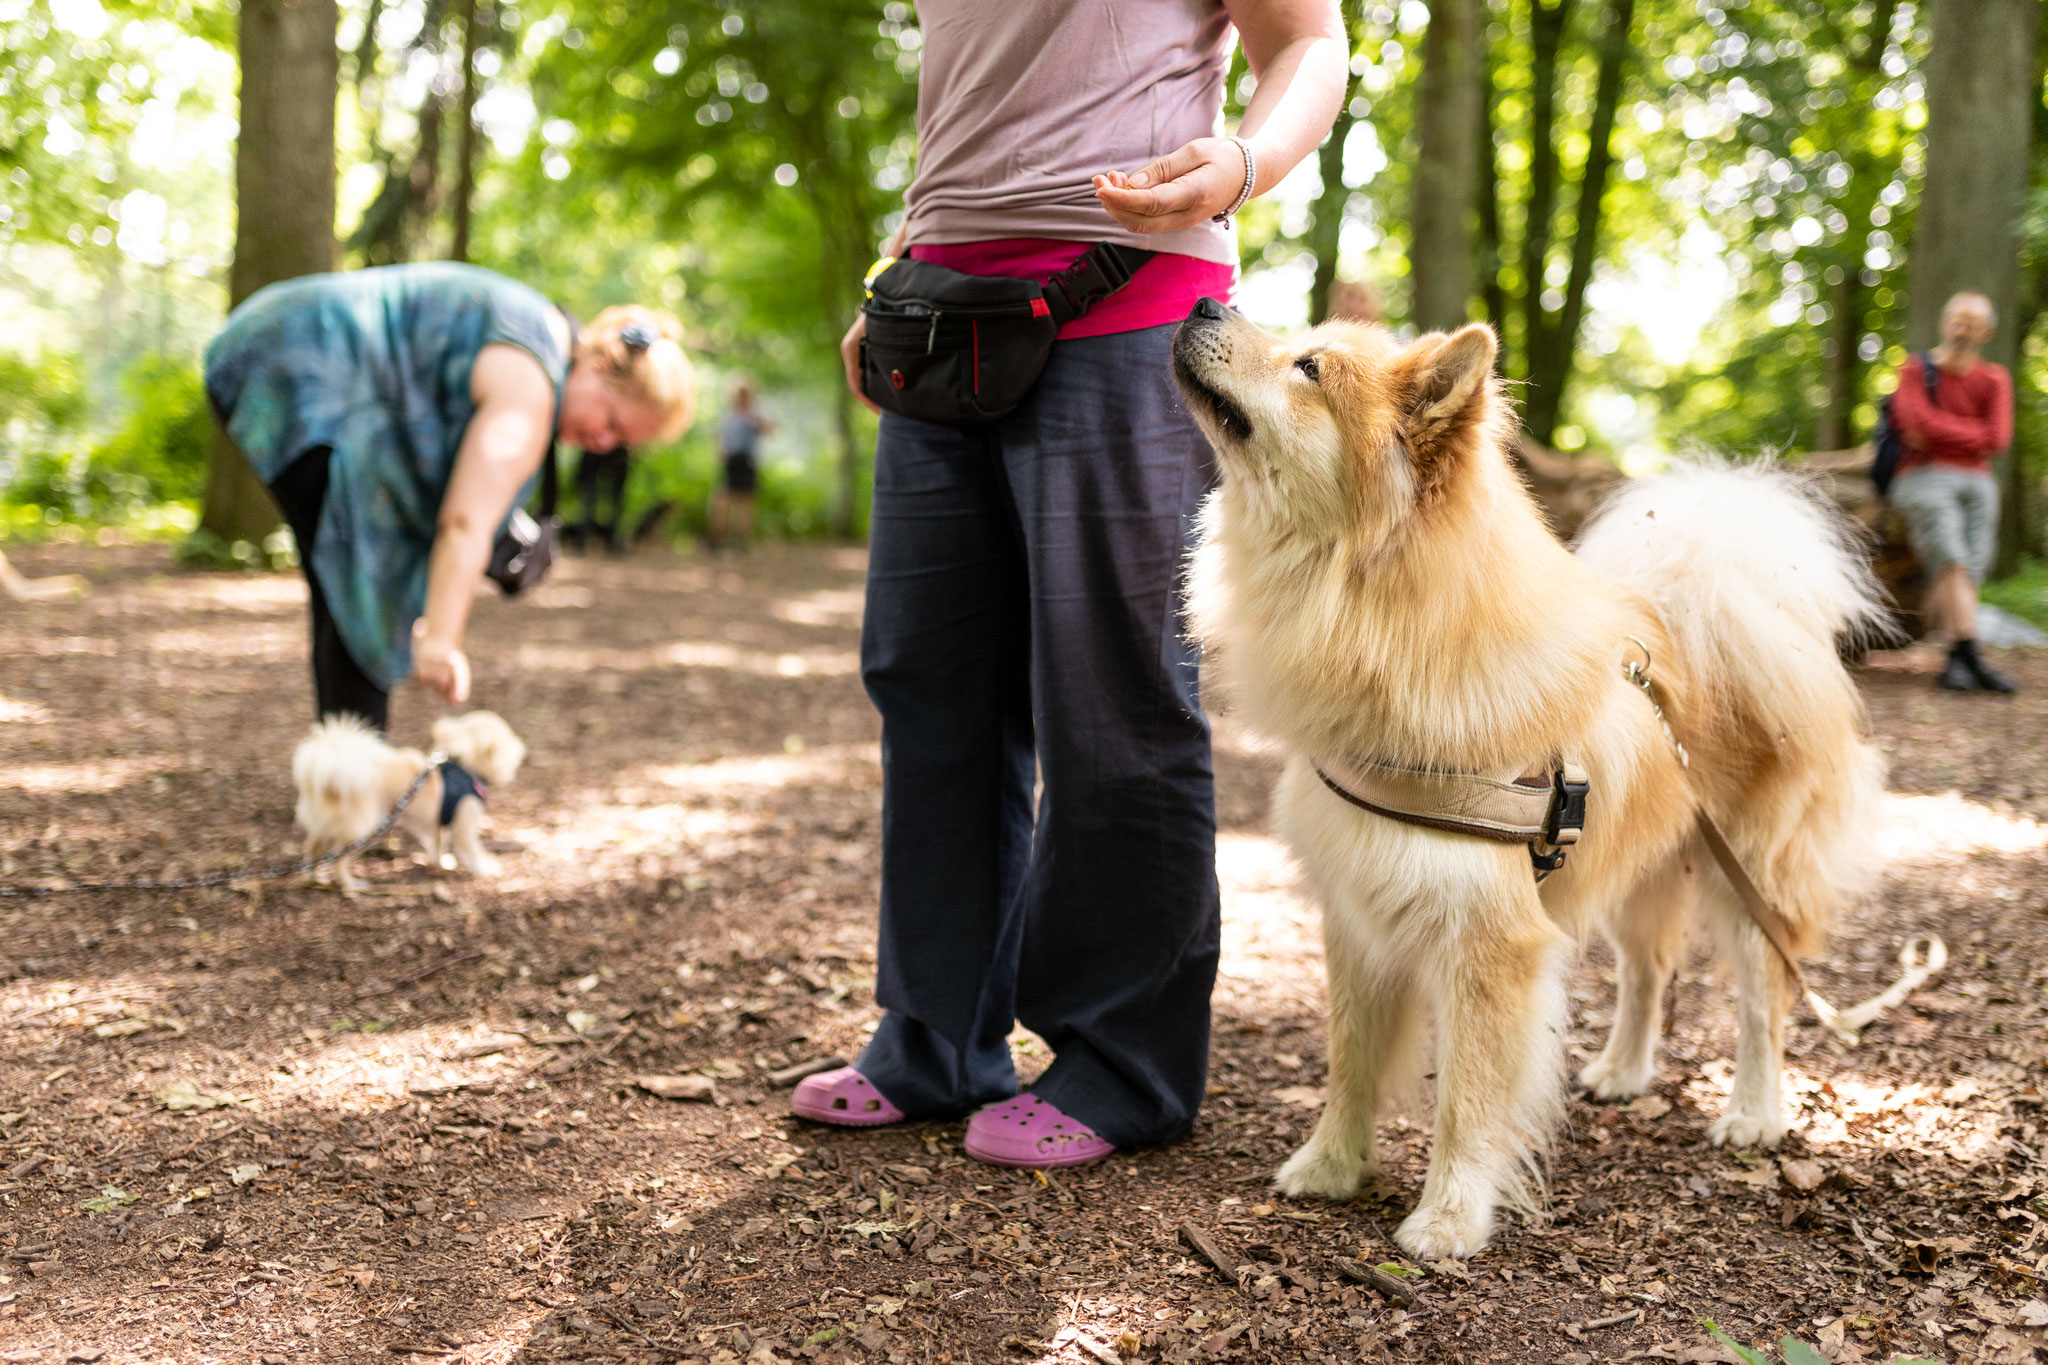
1448 384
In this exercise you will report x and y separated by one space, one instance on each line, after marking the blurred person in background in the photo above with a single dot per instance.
731 519
1944 488
398 415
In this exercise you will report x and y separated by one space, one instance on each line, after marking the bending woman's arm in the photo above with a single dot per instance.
503 446
1301 56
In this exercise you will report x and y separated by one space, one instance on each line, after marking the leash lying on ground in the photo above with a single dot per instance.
246 874
1547 811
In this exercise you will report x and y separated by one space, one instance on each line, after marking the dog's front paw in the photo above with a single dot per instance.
1434 1232
1740 1128
1610 1079
1321 1171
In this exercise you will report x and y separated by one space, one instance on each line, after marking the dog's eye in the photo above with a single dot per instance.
1307 365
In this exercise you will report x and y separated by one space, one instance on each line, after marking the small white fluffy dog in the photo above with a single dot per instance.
348 777
1375 585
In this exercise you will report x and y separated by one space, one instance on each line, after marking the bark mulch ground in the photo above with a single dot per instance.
267 1123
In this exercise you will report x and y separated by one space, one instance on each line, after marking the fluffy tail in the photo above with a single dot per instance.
1757 576
1760 581
336 770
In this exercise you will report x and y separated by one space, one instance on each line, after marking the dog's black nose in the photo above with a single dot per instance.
1206 307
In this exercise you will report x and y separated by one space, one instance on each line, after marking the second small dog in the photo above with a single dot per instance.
348 777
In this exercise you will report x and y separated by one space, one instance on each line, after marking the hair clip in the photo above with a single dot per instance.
638 336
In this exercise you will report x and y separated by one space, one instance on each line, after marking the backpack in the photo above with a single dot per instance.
1885 467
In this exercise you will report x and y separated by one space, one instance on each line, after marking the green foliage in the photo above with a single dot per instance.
1796 1352
156 456
2024 594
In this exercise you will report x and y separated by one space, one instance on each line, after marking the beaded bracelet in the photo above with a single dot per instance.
1251 181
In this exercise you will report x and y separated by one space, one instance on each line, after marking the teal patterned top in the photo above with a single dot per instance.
374 364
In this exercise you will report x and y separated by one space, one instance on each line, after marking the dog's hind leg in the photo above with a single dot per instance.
1648 934
1763 1000
1373 1005
1499 990
466 834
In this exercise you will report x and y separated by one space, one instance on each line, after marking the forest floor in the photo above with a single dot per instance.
268 1123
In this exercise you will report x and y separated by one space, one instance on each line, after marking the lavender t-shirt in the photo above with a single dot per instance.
1020 102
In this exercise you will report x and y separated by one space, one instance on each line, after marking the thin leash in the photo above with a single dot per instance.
247 874
1919 957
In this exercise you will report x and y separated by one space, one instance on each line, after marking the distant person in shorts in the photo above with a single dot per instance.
739 443
1944 488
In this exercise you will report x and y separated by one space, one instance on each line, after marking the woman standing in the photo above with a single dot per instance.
398 415
1022 599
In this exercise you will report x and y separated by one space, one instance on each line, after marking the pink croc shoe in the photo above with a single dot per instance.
843 1097
1030 1134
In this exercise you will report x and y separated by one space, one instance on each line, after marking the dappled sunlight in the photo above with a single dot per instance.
767 772
826 663
250 594
273 641
1950 825
1843 1113
825 607
14 712
91 775
1272 949
54 646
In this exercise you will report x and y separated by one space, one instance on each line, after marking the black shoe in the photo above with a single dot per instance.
1989 678
1958 676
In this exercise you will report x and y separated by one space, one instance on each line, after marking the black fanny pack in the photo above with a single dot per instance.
959 349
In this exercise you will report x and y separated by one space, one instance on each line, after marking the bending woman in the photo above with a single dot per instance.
398 415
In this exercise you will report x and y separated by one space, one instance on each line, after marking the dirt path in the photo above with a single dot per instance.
426 1139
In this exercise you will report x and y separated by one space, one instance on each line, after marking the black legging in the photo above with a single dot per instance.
601 474
338 684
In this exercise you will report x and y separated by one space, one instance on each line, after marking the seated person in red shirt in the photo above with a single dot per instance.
1944 487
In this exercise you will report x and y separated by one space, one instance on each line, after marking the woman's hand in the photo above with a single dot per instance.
1185 187
441 666
849 352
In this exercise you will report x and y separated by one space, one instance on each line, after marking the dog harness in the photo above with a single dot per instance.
1547 811
456 783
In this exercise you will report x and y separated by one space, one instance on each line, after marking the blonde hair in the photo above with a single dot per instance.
658 372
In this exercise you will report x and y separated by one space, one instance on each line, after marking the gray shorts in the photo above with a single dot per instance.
1951 517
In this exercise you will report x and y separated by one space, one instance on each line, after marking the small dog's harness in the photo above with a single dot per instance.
456 783
1547 811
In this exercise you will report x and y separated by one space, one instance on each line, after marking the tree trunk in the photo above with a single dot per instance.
465 147
1980 89
1550 362
1546 39
1490 287
284 201
1328 227
1449 119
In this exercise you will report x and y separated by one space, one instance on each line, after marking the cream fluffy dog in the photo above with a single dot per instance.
348 778
1376 585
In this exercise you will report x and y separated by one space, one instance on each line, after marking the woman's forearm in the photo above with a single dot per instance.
1297 97
461 553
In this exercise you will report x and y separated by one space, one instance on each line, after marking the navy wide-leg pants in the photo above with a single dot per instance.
1023 620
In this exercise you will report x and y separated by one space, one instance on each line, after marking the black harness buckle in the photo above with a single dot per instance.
1567 810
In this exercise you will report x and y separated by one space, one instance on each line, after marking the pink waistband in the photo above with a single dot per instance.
1162 291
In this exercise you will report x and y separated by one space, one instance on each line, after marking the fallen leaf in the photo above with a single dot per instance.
581 1021
1300 1096
108 1199
1647 1107
121 1028
881 1230
242 1175
1803 1176
2033 1313
183 1095
677 1087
